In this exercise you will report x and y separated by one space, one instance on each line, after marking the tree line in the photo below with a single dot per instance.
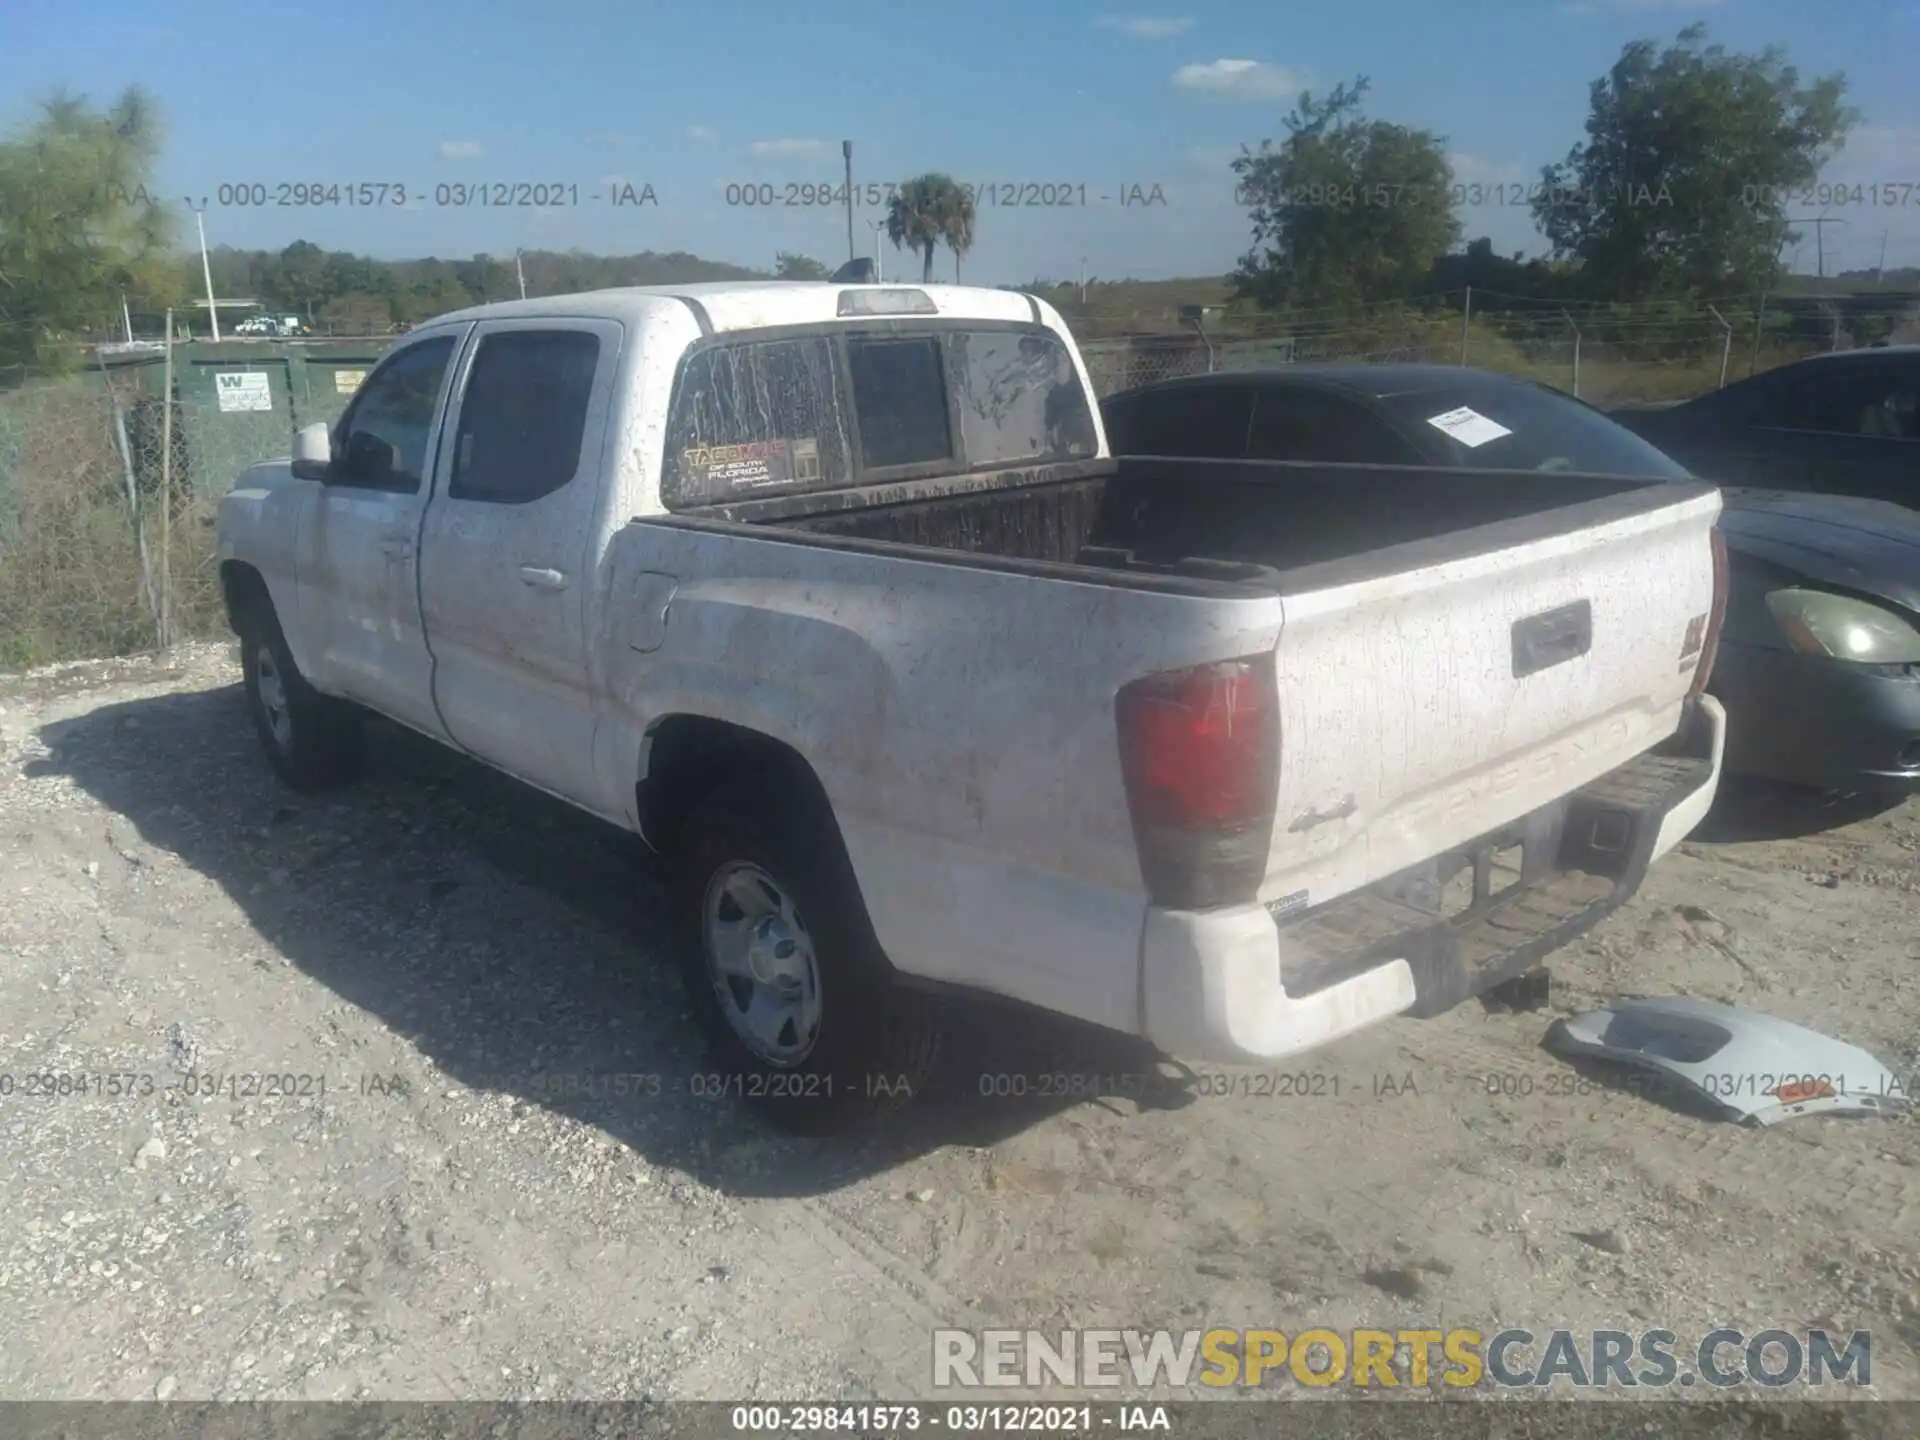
1678 191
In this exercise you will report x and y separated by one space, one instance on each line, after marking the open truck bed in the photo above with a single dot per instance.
1219 520
1452 639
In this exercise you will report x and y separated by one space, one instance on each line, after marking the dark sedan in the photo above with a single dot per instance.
1819 660
1843 424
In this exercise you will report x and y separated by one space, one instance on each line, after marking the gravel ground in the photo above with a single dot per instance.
447 953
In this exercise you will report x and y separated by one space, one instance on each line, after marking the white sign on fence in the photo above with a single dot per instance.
243 390
346 382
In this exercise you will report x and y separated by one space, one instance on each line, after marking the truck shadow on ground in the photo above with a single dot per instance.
520 947
1749 810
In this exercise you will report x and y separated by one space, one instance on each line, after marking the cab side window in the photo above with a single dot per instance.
524 416
383 437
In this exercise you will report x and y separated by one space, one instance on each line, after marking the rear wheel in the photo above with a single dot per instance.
807 1020
313 741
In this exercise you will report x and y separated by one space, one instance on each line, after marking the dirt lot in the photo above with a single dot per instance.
445 1222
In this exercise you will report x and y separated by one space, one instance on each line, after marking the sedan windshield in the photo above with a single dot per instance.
1519 426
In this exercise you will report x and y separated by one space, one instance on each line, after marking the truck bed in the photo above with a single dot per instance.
1264 523
1457 645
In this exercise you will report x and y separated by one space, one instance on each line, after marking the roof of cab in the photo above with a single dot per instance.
746 304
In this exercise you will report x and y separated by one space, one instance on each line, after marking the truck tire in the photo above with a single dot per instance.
807 1021
313 741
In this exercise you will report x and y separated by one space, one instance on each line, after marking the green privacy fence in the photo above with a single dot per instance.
239 402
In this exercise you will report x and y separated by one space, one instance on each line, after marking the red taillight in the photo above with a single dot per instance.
1200 748
1715 616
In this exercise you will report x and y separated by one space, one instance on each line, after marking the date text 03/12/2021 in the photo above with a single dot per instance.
555 194
991 195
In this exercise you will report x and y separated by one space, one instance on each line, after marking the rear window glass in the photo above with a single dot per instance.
762 417
1544 430
756 419
900 394
1021 399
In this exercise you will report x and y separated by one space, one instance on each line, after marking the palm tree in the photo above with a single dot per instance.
927 210
959 226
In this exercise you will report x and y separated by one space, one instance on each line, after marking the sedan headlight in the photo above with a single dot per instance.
1818 623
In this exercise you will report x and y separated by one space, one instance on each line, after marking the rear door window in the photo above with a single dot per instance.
1202 422
1310 425
524 416
1879 402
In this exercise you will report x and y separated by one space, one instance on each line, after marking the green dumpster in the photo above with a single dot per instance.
236 407
326 375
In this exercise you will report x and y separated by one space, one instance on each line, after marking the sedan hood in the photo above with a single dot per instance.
1871 547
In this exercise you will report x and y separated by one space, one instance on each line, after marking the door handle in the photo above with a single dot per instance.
396 547
542 579
1552 638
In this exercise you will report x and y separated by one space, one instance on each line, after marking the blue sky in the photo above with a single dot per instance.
690 99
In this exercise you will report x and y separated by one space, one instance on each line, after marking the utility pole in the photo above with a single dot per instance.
206 267
1880 270
520 273
1819 223
1083 282
846 154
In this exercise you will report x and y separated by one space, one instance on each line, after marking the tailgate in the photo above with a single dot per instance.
1435 692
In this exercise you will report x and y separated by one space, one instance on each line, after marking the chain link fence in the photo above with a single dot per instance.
1607 355
108 496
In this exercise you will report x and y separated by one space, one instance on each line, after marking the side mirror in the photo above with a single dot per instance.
312 452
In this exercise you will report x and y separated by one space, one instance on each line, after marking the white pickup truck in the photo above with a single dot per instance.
834 595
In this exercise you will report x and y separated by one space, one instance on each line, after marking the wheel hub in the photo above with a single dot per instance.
774 955
273 696
760 959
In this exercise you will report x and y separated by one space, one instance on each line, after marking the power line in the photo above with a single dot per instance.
1819 222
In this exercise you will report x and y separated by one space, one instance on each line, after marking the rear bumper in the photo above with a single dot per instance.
1808 720
1237 985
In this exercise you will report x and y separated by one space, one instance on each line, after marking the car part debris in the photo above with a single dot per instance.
1530 990
1758 1069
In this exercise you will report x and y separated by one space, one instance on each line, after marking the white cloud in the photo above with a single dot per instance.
1636 7
1146 27
1477 170
461 150
701 135
1240 80
791 149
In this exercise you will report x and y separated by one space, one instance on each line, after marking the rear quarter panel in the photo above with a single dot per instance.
961 721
